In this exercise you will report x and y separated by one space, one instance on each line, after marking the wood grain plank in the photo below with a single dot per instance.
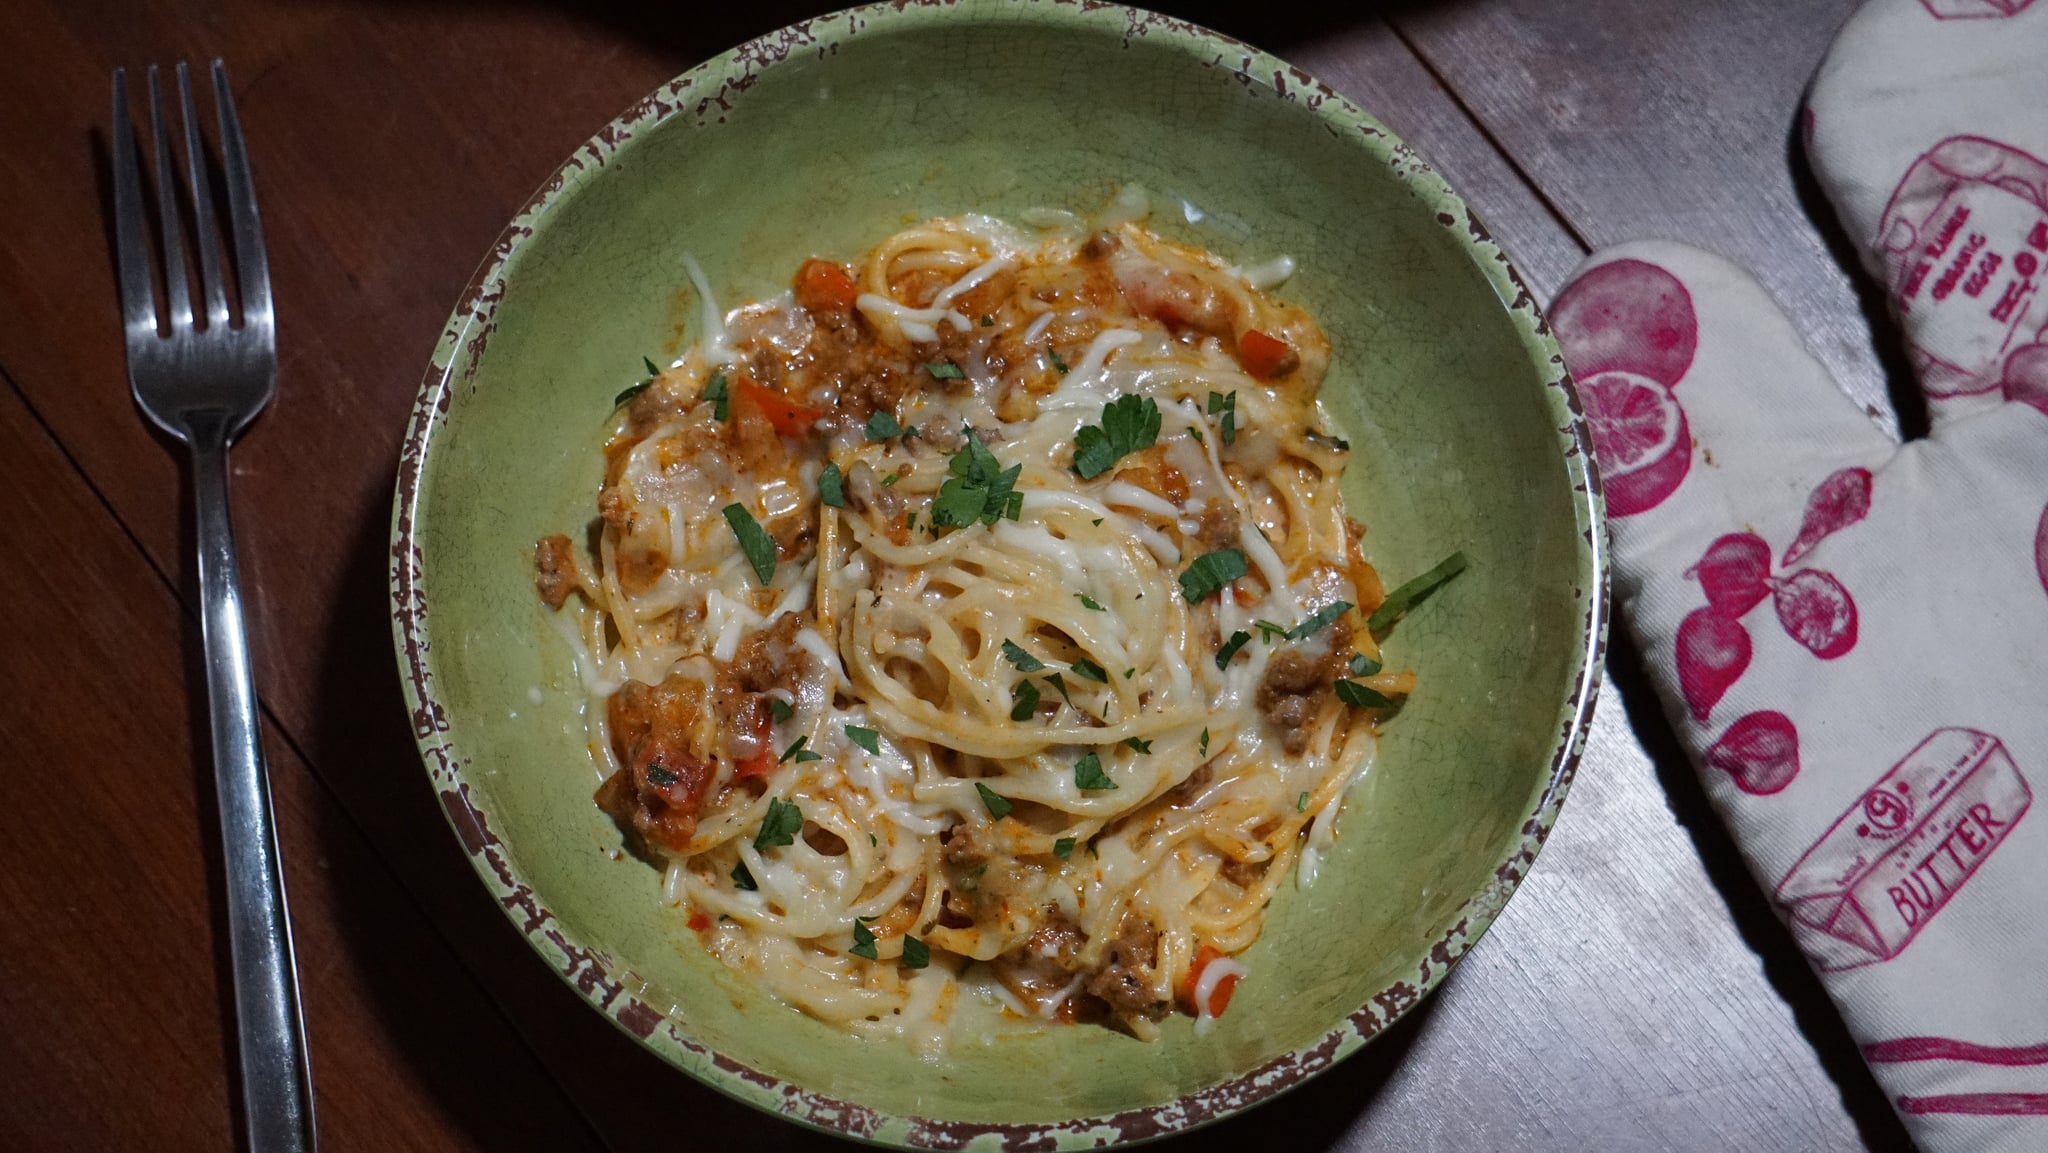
114 1003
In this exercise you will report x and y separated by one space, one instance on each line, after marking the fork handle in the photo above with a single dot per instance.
277 1097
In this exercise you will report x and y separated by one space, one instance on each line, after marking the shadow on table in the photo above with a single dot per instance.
1784 966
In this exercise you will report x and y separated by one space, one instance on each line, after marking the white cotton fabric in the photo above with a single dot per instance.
1908 853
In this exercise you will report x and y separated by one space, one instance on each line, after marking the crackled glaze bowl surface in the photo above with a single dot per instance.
822 139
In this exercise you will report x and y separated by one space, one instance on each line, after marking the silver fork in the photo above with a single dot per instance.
203 385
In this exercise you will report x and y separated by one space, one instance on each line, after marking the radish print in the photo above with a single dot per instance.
1760 751
2026 375
1817 612
1713 651
1837 502
1733 571
1630 316
1640 437
2041 550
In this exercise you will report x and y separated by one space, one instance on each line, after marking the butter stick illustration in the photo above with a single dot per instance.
1905 848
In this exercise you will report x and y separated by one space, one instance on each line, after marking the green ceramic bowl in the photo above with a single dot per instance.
822 139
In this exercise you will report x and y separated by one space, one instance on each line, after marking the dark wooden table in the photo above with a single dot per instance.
1636 995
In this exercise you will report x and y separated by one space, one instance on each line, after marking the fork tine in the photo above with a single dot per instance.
252 268
202 207
131 225
178 290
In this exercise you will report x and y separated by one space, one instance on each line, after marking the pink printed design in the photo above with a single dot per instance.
2041 550
1836 503
1761 751
1975 9
1947 1049
1965 248
1978 1104
1628 332
1733 572
1816 611
1713 653
2026 376
1903 850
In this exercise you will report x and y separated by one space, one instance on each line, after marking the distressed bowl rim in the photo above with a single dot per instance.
702 92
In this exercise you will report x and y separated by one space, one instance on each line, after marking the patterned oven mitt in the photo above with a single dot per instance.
1850 634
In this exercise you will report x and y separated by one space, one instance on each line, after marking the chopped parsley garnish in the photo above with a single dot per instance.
971 879
863 942
979 489
1088 602
1210 572
1088 773
1063 848
1129 423
797 750
1411 594
660 775
742 879
1363 666
1301 803
720 398
754 541
988 321
1142 746
1057 363
865 738
1270 632
916 954
1359 697
944 370
882 425
1023 700
1129 673
999 806
780 709
636 389
1060 683
832 486
1097 522
780 826
891 479
1237 641
1091 670
1197 434
1227 405
1025 662
1205 742
1319 620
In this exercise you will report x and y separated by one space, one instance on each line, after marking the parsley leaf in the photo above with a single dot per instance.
780 709
1210 572
1063 848
916 954
652 369
1091 670
988 321
1301 803
891 479
1411 594
632 390
797 750
720 398
742 879
1129 423
660 775
1319 620
1088 602
971 879
944 370
1197 434
1023 700
1060 683
1227 405
1025 662
882 425
754 541
1057 363
832 486
1237 641
999 806
863 942
865 738
979 489
1268 631
1363 666
1205 742
1088 773
1129 673
1141 746
1359 697
780 826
